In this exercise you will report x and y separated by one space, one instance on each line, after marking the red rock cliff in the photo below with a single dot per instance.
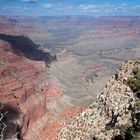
24 85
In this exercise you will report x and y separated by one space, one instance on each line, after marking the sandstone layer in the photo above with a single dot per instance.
24 86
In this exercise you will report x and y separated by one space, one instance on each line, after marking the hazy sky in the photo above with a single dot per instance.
70 7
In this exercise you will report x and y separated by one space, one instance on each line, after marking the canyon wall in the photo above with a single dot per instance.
112 109
24 87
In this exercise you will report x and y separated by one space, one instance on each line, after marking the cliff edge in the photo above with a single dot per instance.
113 108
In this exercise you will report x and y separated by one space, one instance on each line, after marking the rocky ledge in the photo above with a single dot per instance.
112 108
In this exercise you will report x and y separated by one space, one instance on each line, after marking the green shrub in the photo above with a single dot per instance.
134 82
136 136
137 105
136 73
127 132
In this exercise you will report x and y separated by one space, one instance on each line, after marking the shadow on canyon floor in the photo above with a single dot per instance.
22 45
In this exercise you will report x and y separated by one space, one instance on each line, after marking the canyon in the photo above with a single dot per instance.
52 71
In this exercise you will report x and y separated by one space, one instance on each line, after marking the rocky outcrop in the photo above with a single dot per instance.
112 108
24 85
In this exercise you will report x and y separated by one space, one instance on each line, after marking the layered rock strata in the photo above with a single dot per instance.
24 87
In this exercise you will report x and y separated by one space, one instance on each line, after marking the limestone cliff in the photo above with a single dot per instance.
111 109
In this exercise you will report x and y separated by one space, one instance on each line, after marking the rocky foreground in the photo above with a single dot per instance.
111 109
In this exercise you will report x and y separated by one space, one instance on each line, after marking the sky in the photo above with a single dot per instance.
69 7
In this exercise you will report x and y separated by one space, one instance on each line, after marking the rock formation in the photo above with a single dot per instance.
24 86
111 109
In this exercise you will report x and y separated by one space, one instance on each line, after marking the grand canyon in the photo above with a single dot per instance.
55 68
